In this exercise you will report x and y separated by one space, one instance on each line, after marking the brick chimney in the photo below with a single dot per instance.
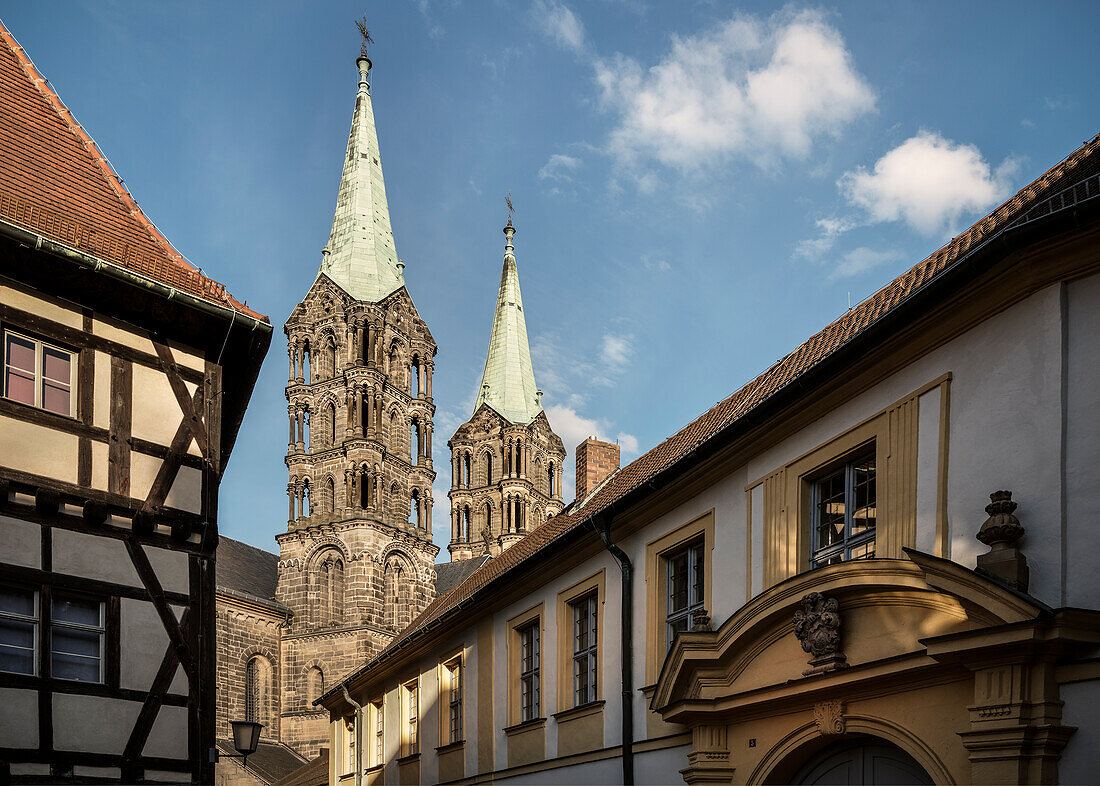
595 461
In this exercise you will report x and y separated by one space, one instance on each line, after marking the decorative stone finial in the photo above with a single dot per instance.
817 626
700 620
1004 561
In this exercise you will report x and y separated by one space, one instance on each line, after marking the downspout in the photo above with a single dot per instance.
626 646
358 735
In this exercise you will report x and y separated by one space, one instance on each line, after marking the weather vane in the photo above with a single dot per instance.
363 31
508 201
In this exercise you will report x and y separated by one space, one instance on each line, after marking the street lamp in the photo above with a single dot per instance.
246 737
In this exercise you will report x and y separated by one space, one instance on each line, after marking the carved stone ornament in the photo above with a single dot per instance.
829 717
700 620
817 626
1004 561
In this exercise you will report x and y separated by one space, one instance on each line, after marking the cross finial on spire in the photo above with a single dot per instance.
363 31
511 210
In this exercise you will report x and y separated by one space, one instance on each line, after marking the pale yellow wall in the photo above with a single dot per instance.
101 391
93 556
44 306
100 464
121 334
54 453
156 412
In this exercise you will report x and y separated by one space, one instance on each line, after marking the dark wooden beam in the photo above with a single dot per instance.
83 584
118 449
190 409
160 603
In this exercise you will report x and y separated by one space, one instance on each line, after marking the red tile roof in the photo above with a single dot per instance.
54 181
1032 201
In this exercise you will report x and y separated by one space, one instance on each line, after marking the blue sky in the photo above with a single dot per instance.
699 187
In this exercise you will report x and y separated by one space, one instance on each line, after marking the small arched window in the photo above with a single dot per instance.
414 377
466 470
315 684
414 508
414 441
307 362
329 585
330 494
330 412
488 517
331 353
257 673
488 468
550 479
465 533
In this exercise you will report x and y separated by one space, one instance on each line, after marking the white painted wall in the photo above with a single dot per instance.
22 542
18 718
93 557
113 721
54 454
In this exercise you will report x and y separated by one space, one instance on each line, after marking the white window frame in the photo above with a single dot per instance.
695 562
412 718
585 659
453 670
379 732
530 705
40 347
35 621
100 629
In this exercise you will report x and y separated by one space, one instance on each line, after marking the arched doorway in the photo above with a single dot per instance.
861 761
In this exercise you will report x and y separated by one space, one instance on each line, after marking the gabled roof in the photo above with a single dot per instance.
360 256
449 575
508 382
1074 180
55 182
241 568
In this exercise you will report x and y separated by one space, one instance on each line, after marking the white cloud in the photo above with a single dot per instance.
860 260
435 30
930 183
829 229
558 167
574 428
561 24
615 350
761 90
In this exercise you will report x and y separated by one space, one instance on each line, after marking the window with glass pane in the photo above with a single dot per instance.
529 671
584 650
76 638
454 685
844 512
379 730
18 630
685 588
413 737
38 374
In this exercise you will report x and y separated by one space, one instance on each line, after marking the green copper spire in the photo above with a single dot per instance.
360 255
508 384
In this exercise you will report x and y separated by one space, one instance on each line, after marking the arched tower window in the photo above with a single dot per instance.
466 470
315 684
397 593
307 362
307 499
414 441
330 494
329 586
488 468
414 507
330 424
306 428
257 678
464 533
488 517
550 479
330 354
414 377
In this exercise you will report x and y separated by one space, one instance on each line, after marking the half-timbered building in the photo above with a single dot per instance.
126 373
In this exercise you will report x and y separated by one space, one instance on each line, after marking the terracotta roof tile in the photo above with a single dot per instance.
55 181
1084 162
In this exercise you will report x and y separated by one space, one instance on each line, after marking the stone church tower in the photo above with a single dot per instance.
506 461
356 561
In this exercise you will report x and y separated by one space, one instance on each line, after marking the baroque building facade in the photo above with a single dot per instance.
506 460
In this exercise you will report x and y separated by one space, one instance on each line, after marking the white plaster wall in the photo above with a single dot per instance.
143 642
1082 460
100 465
22 542
156 413
114 720
93 556
186 491
168 737
1078 763
54 453
187 356
171 568
18 718
101 391
121 333
49 308
143 471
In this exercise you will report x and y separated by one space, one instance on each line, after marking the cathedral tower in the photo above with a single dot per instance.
356 561
506 460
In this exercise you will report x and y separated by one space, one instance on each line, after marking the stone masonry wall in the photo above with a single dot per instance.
245 631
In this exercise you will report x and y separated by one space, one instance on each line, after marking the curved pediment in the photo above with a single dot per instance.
887 609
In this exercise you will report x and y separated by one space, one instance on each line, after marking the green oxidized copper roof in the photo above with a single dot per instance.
360 255
508 384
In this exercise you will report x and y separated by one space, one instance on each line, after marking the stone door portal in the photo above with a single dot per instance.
864 762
